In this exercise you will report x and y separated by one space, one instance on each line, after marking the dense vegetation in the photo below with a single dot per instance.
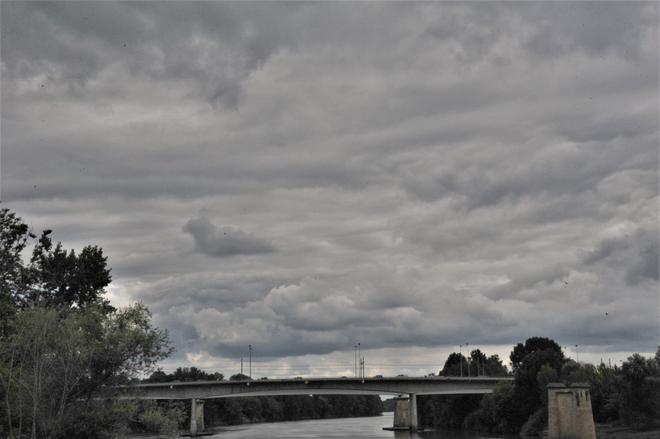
629 395
62 346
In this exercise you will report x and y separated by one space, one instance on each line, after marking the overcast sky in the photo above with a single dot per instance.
302 176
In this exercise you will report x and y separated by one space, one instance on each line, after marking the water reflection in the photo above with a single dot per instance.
352 428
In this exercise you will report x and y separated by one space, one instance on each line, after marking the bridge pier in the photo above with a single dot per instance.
569 412
196 416
413 412
405 413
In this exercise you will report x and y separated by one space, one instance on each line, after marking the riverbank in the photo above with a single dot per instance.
607 431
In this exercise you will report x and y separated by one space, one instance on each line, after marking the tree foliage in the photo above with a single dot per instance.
184 374
639 392
62 346
56 365
534 344
629 394
476 364
53 276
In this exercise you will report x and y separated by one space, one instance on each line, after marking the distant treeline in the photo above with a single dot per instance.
230 411
627 395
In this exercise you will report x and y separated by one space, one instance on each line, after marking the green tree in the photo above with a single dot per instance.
639 392
454 365
162 418
533 344
14 236
53 276
56 365
184 374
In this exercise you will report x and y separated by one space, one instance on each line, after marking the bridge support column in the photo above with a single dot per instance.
401 414
413 412
405 413
569 412
196 416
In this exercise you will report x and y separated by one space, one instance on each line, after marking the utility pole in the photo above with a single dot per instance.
250 353
241 365
359 355
355 362
467 362
460 357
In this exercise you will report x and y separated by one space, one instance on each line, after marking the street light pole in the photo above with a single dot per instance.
466 358
250 352
460 357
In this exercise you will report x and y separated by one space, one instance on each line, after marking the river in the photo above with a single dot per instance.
345 428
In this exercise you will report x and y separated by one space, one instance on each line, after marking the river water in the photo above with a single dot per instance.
345 428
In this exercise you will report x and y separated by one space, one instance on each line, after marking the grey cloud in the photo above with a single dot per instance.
414 174
226 241
645 266
216 45
605 249
596 29
637 251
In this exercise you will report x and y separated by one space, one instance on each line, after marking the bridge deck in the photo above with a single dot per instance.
317 386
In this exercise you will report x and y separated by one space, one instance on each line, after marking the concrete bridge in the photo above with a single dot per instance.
406 409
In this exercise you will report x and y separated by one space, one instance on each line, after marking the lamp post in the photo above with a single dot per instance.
460 357
250 353
359 359
466 358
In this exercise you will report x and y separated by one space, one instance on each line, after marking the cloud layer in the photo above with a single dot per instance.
226 241
301 176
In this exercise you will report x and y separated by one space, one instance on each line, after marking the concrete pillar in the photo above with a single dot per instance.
413 412
569 412
405 413
401 414
199 411
193 418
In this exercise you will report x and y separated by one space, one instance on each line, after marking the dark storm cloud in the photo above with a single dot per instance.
214 45
638 251
415 174
226 241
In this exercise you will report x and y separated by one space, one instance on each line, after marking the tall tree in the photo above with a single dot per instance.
14 236
61 343
454 365
55 366
53 276
533 344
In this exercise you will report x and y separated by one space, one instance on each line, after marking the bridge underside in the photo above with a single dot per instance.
406 416
227 389
309 391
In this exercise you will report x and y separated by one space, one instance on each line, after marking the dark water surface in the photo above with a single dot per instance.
353 428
